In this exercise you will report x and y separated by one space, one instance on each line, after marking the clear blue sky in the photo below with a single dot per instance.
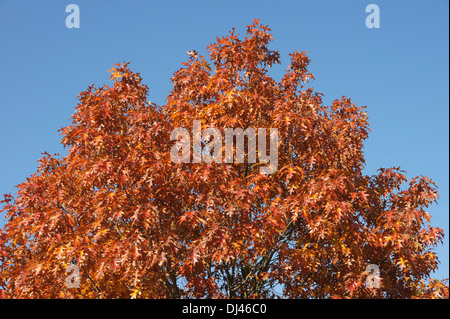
399 71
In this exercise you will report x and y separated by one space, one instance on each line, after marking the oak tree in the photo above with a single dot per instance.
138 225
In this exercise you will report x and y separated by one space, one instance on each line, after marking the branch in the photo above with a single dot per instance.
128 196
93 282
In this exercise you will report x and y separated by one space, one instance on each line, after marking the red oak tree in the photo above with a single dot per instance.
136 224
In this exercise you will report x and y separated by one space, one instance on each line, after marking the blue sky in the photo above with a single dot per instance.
399 71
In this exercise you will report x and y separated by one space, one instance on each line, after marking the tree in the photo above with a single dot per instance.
136 224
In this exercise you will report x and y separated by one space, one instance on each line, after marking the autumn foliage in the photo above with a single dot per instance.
140 226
